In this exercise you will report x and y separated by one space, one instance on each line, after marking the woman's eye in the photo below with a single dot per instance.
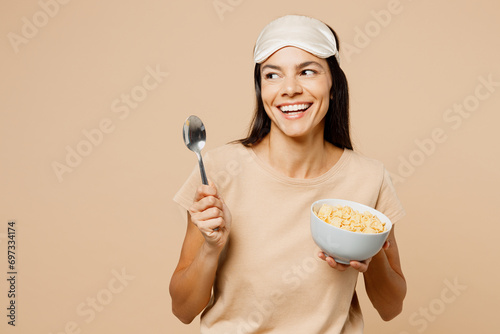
308 72
271 76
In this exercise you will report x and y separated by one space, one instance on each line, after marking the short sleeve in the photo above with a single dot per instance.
388 202
185 195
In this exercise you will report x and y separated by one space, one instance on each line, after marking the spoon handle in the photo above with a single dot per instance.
203 175
204 179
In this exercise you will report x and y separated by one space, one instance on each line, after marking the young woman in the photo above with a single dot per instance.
248 260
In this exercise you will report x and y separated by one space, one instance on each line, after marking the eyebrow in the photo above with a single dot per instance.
299 66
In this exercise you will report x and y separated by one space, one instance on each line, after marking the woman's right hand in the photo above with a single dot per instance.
193 279
209 212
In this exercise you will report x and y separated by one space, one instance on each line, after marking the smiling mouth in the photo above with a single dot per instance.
294 108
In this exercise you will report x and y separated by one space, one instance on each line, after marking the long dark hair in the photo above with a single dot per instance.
336 119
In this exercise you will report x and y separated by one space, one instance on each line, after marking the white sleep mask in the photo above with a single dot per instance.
303 32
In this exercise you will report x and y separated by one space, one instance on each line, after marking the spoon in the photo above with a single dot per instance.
194 135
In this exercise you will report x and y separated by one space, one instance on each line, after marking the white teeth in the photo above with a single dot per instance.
295 107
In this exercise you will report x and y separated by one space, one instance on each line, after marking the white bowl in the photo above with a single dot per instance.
344 245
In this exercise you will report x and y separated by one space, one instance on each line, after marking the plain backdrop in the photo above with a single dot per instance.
93 95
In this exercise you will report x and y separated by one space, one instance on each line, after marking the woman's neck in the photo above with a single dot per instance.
302 158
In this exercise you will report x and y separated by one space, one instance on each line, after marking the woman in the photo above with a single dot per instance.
248 236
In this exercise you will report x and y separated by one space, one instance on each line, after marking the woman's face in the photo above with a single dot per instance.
295 89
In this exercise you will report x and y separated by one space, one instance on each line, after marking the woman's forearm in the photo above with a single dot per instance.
385 284
191 287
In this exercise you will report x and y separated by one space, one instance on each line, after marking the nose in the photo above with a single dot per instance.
291 86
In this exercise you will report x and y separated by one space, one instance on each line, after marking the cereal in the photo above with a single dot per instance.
346 218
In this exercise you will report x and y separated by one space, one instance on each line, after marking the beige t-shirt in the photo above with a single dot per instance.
269 278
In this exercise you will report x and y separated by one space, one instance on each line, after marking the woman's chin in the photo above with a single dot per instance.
298 135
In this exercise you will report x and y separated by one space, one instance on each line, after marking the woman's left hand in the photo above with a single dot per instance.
361 266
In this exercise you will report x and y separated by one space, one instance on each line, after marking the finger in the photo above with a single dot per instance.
204 191
338 266
331 262
206 203
211 184
210 213
219 196
210 225
334 264
360 266
386 245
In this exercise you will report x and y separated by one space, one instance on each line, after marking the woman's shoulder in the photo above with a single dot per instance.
227 152
361 161
231 147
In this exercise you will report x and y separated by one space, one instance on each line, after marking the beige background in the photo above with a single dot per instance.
114 212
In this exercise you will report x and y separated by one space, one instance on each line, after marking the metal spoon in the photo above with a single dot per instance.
194 135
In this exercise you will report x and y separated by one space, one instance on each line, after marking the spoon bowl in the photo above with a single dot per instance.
195 137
